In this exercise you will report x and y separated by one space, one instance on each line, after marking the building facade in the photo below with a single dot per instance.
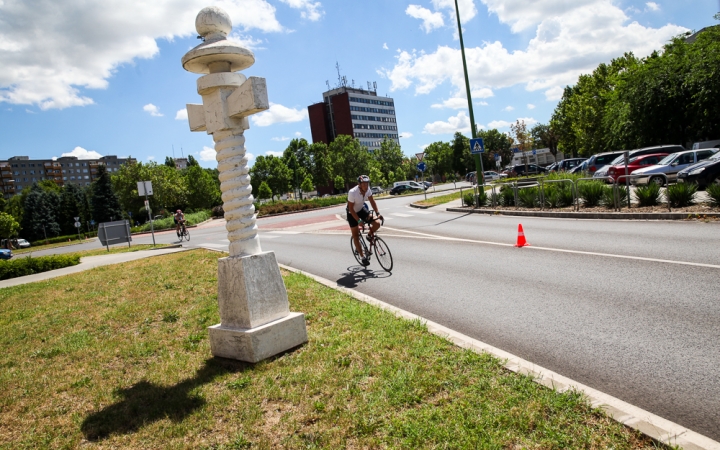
20 172
354 112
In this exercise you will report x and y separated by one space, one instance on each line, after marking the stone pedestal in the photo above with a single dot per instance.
256 321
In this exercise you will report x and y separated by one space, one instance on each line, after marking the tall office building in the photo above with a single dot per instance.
20 172
354 112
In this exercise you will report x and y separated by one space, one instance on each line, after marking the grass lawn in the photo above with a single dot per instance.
37 248
120 249
119 356
440 199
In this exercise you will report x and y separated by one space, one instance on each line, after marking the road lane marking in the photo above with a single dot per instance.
401 215
268 236
213 245
285 232
560 250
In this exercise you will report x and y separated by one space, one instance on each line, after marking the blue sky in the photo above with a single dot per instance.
104 77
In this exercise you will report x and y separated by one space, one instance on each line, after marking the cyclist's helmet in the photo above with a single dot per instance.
363 179
178 211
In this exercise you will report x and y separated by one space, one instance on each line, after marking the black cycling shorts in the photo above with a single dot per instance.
363 214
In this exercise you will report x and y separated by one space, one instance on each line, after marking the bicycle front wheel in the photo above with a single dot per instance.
187 235
354 251
382 252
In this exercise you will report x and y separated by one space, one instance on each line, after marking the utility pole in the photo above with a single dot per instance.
478 160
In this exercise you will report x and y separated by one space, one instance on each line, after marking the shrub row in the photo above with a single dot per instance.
168 222
72 237
287 206
19 267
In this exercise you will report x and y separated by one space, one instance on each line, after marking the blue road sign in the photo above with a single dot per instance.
534 152
421 167
497 156
516 150
477 146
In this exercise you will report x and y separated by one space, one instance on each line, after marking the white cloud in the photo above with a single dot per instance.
311 10
81 153
571 38
508 108
50 57
152 109
298 134
431 20
406 134
385 46
652 6
207 154
481 103
499 124
528 120
460 123
249 156
530 106
467 9
246 41
554 93
272 153
278 114
482 93
181 114
452 103
150 158
280 139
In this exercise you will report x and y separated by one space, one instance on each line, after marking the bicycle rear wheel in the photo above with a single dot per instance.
382 252
186 234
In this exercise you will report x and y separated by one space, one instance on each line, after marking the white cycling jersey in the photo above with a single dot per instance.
358 200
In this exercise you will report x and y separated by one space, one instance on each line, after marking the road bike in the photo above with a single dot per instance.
372 245
184 233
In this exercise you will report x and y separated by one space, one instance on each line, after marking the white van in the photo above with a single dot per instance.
706 144
414 184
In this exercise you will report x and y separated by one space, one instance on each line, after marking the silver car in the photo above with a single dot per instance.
670 166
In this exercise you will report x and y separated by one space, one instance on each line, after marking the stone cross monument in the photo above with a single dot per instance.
256 321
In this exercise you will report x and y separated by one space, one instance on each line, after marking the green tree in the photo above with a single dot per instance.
202 192
192 161
321 167
462 161
40 213
496 142
8 226
439 158
544 136
15 207
264 191
71 203
388 158
169 187
105 204
339 182
349 158
307 184
274 172
170 162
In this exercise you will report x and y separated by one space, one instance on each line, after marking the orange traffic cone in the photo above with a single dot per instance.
521 242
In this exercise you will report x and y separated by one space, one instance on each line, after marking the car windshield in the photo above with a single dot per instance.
666 161
715 157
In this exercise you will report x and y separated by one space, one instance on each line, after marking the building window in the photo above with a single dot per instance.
86 177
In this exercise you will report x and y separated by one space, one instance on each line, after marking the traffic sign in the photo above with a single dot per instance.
516 150
477 146
497 157
78 224
419 156
534 152
144 188
421 167
92 222
77 219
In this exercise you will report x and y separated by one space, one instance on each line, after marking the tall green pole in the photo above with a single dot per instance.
478 159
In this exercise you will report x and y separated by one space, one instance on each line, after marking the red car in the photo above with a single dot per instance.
634 164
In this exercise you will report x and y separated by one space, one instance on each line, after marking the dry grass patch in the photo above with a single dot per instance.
118 357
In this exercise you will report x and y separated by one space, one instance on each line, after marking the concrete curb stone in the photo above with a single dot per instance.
581 215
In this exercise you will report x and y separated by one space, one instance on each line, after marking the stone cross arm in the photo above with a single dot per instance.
247 99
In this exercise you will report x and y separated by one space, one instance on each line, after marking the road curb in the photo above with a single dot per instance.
645 422
582 215
415 205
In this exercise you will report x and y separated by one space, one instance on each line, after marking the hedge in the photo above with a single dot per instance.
168 222
292 205
72 237
19 267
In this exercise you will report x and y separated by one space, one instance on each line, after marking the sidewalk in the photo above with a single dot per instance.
88 263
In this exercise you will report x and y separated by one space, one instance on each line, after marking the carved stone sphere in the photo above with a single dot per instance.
213 21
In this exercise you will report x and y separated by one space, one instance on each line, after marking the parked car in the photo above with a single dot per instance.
403 188
5 253
491 175
704 173
655 149
22 243
635 163
414 184
518 170
596 162
566 164
670 166
376 190
427 184
579 168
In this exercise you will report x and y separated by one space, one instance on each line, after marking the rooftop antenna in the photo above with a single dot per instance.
328 84
353 84
182 155
337 66
369 86
375 87
344 81
173 148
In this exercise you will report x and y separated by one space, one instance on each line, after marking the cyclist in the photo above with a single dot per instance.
179 219
357 209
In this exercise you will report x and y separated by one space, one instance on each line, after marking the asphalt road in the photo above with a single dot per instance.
627 307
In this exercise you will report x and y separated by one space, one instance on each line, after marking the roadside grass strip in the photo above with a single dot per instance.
118 357
440 199
37 248
121 249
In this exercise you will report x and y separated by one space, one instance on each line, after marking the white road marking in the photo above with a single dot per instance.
210 244
225 240
401 215
560 250
268 236
285 232
421 211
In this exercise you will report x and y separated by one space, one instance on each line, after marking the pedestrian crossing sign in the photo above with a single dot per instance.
477 146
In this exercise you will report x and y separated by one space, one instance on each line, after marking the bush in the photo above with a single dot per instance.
168 222
469 199
608 197
507 196
528 197
681 194
218 211
713 191
558 195
482 198
648 195
288 206
72 237
19 267
591 193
